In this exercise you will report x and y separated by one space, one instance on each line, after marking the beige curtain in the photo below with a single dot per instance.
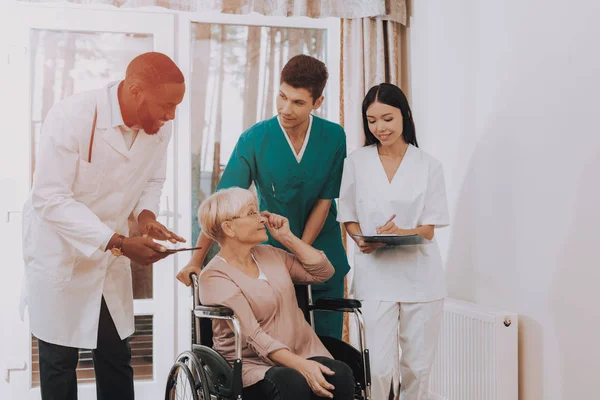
372 51
393 10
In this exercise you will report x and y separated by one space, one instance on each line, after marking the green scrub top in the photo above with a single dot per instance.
291 188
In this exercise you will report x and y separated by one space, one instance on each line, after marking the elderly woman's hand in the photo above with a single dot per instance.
313 372
278 226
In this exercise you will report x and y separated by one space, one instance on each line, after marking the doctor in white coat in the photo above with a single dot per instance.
102 156
390 186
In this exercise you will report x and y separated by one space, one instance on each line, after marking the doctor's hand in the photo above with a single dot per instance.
278 226
143 250
150 227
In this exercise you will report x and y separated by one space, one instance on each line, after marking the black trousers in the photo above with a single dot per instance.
112 365
283 383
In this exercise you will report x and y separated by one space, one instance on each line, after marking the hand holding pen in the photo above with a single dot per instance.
389 228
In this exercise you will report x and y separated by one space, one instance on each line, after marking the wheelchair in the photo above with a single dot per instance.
203 374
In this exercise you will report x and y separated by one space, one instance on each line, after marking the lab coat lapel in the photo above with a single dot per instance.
144 143
112 136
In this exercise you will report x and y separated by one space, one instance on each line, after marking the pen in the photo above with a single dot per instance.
390 220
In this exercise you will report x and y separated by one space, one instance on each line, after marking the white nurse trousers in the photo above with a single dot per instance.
402 339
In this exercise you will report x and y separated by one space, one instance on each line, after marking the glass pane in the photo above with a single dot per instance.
141 355
234 84
64 63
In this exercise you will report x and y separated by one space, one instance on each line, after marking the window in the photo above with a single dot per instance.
234 83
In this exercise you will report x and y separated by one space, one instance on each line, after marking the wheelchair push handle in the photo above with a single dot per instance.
194 286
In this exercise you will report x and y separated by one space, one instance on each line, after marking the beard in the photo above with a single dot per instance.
149 125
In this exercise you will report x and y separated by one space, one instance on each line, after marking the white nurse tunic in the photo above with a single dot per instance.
417 195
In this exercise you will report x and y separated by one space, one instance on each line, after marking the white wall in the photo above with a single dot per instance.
507 95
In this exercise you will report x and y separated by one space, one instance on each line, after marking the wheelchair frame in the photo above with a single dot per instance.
224 313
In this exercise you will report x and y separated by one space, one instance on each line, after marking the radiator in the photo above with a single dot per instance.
477 357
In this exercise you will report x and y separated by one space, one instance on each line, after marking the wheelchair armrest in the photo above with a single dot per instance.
332 304
213 312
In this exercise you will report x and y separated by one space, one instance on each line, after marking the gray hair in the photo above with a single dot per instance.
222 206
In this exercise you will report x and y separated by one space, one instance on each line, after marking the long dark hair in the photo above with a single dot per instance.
392 95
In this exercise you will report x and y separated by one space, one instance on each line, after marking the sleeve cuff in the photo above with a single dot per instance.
320 271
105 243
263 345
141 206
89 248
436 223
329 196
324 261
344 216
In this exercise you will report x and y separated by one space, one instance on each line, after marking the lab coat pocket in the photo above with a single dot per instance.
54 258
88 178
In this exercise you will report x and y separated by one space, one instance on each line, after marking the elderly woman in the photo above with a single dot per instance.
282 356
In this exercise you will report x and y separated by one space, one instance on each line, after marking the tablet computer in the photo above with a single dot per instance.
177 250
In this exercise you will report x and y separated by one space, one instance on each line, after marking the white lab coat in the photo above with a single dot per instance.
73 208
417 195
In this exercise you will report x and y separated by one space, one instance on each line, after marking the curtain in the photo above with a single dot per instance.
393 10
372 51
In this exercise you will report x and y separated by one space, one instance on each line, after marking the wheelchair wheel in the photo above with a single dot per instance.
196 367
181 383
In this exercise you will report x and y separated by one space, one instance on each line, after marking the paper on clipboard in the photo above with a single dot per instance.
393 240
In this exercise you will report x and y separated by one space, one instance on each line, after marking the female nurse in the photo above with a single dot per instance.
390 186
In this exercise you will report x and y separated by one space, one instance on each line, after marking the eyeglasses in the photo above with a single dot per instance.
253 214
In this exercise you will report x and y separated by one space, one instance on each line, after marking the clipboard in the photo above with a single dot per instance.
394 240
173 251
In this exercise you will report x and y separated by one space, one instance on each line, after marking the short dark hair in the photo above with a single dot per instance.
305 72
391 95
153 68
